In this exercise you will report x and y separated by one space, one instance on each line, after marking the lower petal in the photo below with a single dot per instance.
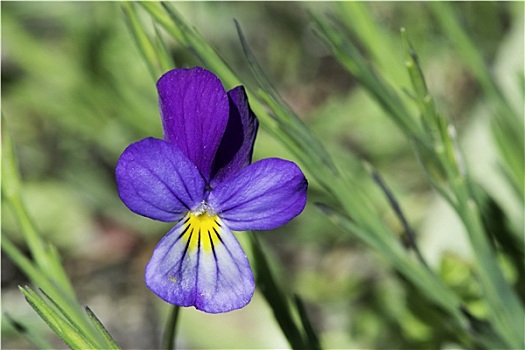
200 263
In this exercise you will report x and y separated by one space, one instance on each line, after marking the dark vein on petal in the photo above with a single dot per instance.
216 261
178 238
248 200
151 203
212 246
229 252
183 182
168 187
185 251
198 260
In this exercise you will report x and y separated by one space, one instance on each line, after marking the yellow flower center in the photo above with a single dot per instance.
201 231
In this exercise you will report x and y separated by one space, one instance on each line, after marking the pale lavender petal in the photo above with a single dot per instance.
194 110
236 148
200 263
155 179
263 196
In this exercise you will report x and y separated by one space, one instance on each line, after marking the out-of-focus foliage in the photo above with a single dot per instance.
76 90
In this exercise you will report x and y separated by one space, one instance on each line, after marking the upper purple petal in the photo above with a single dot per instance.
194 109
155 179
236 148
262 196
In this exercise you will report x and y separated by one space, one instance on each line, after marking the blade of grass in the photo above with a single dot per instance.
36 276
394 204
45 257
276 298
379 42
146 46
506 310
507 124
26 332
350 57
48 272
313 339
108 339
471 55
65 330
295 128
165 60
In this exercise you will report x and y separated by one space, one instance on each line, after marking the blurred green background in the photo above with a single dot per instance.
76 92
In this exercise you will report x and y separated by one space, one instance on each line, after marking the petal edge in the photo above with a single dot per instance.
156 180
263 196
194 110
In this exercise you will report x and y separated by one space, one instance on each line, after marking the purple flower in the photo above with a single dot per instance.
200 177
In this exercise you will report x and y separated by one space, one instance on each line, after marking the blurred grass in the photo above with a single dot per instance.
76 91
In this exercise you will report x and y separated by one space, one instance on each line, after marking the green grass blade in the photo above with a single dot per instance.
294 129
108 339
11 192
507 124
65 330
410 237
35 275
168 18
275 297
146 46
313 339
26 332
471 55
47 270
349 56
506 310
380 43
165 60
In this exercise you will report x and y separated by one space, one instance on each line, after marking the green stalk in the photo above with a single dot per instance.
276 299
506 310
170 331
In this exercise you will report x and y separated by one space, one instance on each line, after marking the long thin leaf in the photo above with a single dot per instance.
27 333
506 310
276 298
110 341
61 326
146 46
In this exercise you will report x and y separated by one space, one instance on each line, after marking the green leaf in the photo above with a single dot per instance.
148 49
311 335
108 339
276 298
26 332
68 332
506 310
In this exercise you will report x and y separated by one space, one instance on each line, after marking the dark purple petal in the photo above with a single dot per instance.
200 263
155 179
194 110
262 196
236 148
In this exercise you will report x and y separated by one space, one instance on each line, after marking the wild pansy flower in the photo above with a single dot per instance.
200 176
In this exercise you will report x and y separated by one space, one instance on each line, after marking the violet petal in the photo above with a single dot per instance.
200 263
262 196
155 179
194 110
236 148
